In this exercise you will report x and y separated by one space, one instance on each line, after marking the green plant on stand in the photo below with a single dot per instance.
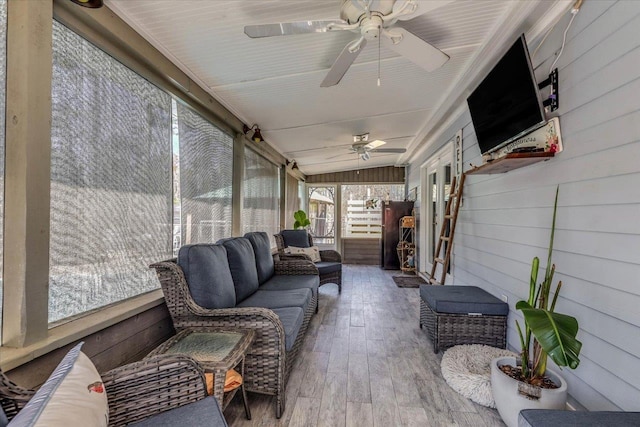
301 220
554 334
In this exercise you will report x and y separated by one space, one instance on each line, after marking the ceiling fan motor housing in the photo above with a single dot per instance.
352 12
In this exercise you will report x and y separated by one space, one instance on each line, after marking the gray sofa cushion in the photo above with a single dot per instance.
262 249
554 418
206 269
242 263
326 267
462 300
205 412
291 318
287 282
279 299
297 238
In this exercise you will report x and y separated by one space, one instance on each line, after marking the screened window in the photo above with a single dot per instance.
3 81
111 183
206 158
261 195
362 208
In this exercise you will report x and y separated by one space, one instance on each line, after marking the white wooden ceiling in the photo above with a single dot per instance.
275 82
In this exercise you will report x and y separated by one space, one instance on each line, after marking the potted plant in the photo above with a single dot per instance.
526 382
301 220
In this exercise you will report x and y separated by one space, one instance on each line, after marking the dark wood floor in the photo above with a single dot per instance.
366 362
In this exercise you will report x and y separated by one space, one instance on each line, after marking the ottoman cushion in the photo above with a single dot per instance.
462 300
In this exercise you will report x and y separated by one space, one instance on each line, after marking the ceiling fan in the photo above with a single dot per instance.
370 20
363 148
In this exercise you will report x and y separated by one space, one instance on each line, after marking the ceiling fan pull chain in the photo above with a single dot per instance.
379 35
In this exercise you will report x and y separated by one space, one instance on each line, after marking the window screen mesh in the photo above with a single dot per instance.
3 80
206 158
261 195
110 179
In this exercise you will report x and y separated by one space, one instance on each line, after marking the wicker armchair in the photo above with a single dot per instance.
135 392
267 364
327 256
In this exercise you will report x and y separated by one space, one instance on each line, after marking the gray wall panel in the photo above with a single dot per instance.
505 219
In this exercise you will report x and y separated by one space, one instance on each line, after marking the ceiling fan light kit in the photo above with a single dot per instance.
370 20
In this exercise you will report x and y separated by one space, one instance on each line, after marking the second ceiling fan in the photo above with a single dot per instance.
370 20
362 147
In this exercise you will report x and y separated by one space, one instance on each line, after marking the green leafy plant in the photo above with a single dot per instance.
301 220
546 333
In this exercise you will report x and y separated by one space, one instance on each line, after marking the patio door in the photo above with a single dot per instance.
435 183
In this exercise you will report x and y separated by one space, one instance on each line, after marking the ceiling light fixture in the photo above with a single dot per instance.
93 4
257 136
365 156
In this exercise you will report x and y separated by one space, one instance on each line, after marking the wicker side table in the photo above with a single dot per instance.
217 351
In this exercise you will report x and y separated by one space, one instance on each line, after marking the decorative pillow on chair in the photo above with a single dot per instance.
73 393
313 252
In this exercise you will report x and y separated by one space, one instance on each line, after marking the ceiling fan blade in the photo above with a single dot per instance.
388 150
422 7
416 50
342 64
374 144
290 28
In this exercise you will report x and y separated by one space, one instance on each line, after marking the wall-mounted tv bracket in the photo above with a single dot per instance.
552 80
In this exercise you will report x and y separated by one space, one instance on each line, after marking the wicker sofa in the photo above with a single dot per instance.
164 390
330 264
237 284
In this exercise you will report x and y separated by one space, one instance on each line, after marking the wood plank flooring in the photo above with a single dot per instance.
365 362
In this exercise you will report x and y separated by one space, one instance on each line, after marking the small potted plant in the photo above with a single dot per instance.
301 220
526 382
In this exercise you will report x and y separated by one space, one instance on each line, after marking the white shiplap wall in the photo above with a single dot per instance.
505 219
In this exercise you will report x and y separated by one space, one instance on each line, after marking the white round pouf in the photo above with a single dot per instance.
467 370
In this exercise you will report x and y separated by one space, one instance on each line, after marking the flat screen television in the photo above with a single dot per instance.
507 104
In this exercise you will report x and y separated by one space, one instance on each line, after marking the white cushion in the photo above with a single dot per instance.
313 252
73 395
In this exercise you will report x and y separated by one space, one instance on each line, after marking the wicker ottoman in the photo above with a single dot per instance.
456 315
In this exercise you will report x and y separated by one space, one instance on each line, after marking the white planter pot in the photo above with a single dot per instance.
509 402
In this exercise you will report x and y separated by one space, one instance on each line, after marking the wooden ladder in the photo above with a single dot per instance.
450 219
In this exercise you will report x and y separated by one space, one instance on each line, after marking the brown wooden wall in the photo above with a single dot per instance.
361 251
124 342
386 174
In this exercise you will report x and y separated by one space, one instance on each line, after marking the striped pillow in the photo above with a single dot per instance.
73 392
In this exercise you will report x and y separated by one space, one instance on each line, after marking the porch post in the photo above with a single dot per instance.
237 184
28 175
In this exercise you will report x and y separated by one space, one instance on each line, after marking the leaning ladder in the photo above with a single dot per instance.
449 224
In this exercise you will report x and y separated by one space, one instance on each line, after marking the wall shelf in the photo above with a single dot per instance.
510 162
